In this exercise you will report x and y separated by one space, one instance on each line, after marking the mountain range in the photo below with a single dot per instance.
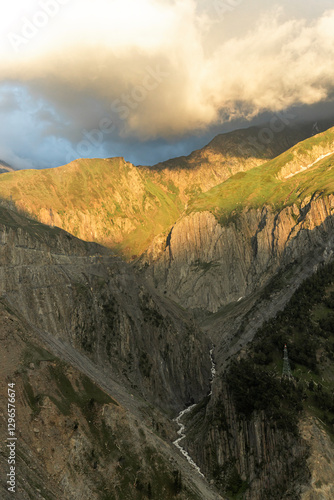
129 293
124 207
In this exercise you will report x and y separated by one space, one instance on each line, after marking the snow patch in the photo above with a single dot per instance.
308 166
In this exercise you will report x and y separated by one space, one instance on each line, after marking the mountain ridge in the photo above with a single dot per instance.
222 264
5 167
125 207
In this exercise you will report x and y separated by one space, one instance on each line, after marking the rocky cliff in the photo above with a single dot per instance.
73 315
320 461
94 302
249 457
206 265
75 440
228 262
119 205
236 266
260 435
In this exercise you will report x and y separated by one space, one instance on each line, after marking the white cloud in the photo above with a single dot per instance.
104 53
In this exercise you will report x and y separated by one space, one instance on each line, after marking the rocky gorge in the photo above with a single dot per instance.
106 353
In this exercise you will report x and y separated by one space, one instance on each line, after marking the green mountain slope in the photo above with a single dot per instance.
114 203
288 179
109 201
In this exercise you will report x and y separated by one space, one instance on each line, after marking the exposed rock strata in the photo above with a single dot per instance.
74 441
269 461
205 265
320 462
95 303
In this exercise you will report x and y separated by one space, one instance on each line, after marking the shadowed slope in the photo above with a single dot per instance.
114 203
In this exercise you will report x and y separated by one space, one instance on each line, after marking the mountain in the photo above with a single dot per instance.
236 236
270 436
84 342
124 207
235 260
5 167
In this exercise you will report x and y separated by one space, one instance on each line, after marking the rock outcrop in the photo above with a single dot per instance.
249 456
76 441
320 461
79 294
205 265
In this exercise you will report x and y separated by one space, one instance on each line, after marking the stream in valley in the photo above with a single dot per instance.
178 419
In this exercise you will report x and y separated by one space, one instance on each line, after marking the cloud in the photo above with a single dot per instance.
161 69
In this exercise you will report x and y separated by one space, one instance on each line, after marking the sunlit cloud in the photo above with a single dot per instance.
159 69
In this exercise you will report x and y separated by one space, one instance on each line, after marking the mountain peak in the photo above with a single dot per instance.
5 167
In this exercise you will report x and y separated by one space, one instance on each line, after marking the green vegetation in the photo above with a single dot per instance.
124 207
85 397
262 186
256 384
235 487
306 325
35 354
110 201
256 389
145 364
204 266
33 401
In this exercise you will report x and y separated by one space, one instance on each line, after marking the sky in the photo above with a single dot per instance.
152 79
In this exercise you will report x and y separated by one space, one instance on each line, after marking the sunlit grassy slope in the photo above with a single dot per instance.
265 184
112 202
109 201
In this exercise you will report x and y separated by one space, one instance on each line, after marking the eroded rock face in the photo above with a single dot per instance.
320 462
95 303
80 294
270 462
205 265
74 441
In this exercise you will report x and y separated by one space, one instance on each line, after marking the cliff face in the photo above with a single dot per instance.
320 461
256 435
72 314
76 441
205 265
129 327
248 457
114 203
95 303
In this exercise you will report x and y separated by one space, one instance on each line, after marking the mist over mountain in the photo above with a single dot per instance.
187 71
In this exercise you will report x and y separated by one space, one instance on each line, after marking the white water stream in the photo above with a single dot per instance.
182 436
213 369
181 431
